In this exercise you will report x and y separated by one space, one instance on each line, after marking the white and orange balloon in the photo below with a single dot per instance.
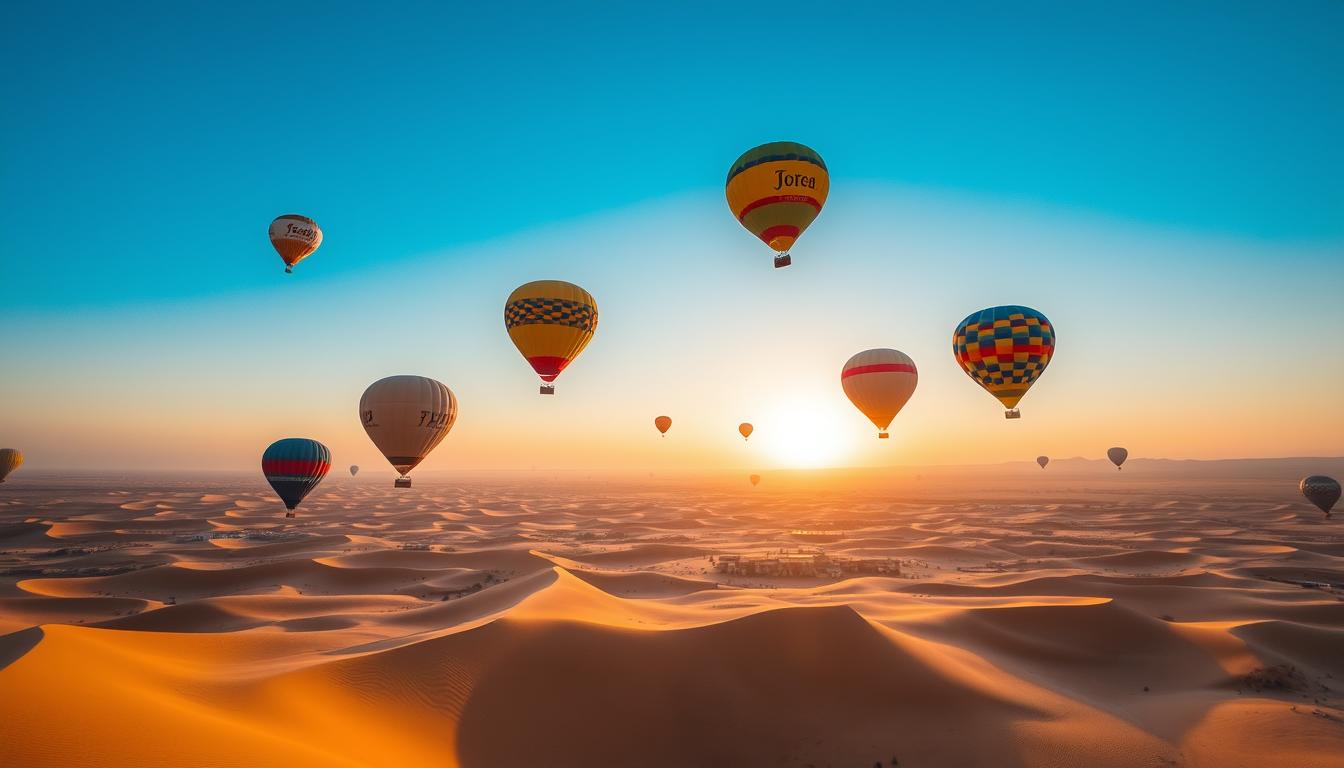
879 382
295 238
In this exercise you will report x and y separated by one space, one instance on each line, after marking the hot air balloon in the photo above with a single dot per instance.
755 479
406 417
1042 460
354 470
776 190
1320 490
1117 456
550 321
879 382
663 423
745 430
295 238
1004 349
294 466
10 460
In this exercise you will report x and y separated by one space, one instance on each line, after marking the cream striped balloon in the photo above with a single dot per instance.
879 382
406 417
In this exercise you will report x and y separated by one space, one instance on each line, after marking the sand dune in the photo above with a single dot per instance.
1089 620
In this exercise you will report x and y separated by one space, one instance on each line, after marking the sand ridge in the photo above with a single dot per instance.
1093 624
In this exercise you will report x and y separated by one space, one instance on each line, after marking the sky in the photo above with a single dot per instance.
1165 183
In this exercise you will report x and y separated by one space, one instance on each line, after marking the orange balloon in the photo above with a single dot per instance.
295 238
745 429
663 423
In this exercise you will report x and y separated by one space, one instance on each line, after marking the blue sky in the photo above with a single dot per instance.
150 145
1150 177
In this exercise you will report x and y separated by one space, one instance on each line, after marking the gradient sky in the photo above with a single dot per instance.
1166 184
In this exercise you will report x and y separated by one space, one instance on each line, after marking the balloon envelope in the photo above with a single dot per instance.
294 466
550 321
1117 456
10 459
354 470
879 382
1042 460
745 430
1004 350
295 238
406 417
663 423
1320 490
755 479
776 190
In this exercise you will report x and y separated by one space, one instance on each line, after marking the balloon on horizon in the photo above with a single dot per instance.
1004 350
879 382
1042 460
354 470
10 460
550 322
745 430
1117 456
294 466
295 238
663 423
1320 490
776 191
755 479
406 417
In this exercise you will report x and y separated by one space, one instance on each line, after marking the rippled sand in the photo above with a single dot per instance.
1076 617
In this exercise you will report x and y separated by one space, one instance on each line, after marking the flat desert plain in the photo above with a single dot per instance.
1172 614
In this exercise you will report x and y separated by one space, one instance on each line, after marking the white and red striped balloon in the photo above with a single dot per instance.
879 382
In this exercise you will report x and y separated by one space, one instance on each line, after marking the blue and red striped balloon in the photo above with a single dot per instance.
294 466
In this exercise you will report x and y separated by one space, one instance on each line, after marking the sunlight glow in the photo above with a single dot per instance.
798 434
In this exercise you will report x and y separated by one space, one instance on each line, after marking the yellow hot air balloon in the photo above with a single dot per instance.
879 382
406 417
10 459
663 423
776 190
550 321
745 430
295 238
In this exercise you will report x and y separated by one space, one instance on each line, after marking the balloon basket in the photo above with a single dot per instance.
289 514
289 270
1012 413
883 436
548 389
783 260
402 482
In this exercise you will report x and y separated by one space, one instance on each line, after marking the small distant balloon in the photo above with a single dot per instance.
294 466
1117 456
550 322
354 470
879 382
663 423
406 417
745 430
1004 350
1320 490
755 479
295 238
10 460
1042 460
775 191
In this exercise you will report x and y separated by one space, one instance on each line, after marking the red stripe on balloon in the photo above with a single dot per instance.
764 201
782 230
293 467
878 368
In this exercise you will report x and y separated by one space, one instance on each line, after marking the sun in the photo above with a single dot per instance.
800 435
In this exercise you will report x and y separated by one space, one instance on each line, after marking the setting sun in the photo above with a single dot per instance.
805 435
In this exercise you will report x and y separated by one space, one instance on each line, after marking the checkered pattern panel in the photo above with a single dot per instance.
551 312
1004 348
